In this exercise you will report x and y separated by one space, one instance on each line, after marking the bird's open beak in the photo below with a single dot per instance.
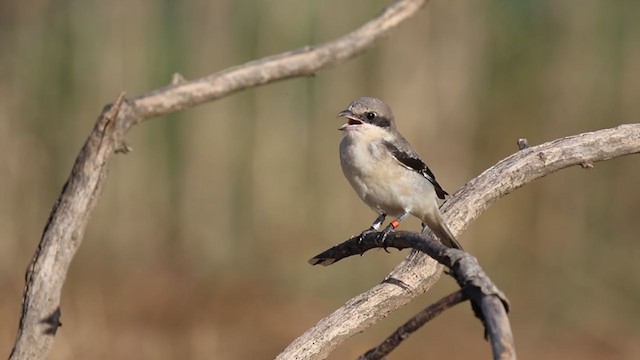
352 120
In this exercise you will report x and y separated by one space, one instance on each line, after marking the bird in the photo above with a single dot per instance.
386 173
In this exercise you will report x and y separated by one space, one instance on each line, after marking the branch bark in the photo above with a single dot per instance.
418 272
40 316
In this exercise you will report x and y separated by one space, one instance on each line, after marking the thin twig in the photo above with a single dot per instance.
417 321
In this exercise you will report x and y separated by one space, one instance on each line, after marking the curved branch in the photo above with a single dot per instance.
40 317
302 62
466 205
64 231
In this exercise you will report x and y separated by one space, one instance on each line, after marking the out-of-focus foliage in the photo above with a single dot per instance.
199 244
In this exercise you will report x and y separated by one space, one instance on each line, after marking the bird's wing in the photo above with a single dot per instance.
409 159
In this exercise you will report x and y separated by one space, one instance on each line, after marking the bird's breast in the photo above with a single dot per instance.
359 159
381 181
374 175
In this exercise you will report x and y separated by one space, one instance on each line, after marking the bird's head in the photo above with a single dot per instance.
365 112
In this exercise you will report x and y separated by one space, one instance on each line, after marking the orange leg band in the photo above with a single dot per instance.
395 223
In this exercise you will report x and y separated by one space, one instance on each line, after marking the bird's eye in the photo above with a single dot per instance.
370 115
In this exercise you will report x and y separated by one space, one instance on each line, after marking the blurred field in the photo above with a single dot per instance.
199 244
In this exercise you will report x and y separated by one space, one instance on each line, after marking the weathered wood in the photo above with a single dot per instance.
61 238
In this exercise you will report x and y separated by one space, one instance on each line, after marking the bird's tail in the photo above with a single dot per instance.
440 228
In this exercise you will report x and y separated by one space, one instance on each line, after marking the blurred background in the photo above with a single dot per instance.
198 247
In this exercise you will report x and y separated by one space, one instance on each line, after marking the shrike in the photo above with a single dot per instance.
386 173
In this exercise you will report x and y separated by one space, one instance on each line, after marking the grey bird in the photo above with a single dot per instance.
385 171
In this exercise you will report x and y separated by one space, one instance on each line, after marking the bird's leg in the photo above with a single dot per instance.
379 220
392 226
374 227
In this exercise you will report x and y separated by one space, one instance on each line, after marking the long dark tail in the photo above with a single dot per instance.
441 230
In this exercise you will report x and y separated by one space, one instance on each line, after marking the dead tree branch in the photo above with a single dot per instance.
473 281
302 62
69 217
418 272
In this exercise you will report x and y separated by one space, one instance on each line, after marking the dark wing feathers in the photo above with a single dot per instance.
412 161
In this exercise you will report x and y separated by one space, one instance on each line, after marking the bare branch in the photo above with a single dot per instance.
497 326
466 205
302 62
489 304
62 236
68 219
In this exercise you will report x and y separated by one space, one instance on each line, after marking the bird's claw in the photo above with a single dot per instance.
382 237
363 235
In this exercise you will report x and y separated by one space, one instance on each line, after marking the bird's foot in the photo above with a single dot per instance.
382 236
362 235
